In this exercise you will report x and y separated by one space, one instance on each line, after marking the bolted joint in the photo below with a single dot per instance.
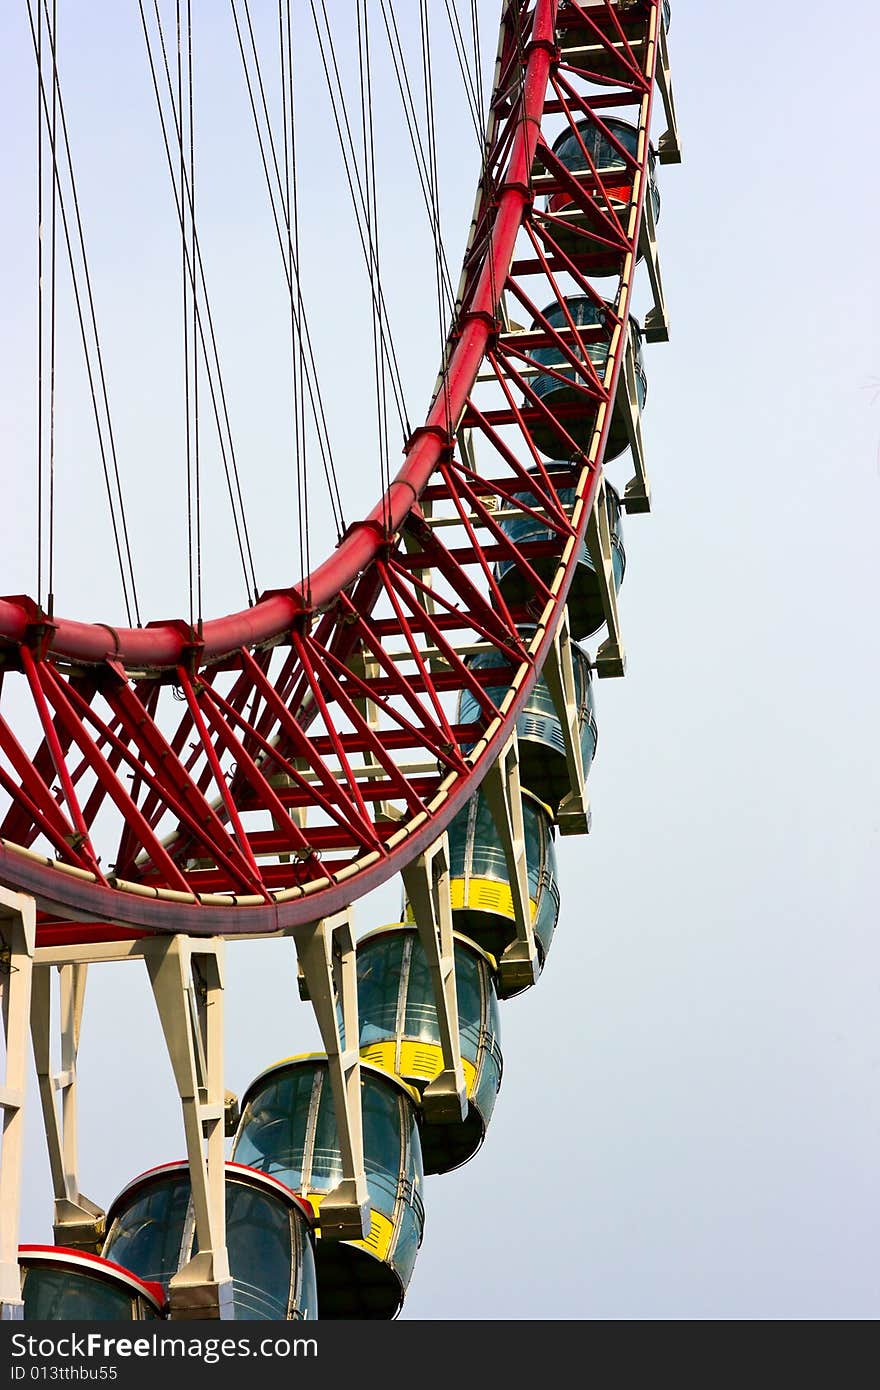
342 1216
231 1113
192 644
444 1100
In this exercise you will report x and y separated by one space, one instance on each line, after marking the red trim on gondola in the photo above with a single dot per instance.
180 1165
63 1255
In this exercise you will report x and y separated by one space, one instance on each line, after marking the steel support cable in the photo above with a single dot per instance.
190 531
312 379
183 199
291 213
120 526
486 178
459 47
58 109
374 273
290 262
195 313
428 77
40 309
53 304
355 187
405 89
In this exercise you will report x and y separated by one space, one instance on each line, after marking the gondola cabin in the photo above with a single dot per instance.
580 233
543 768
288 1128
610 49
151 1230
575 411
482 900
585 611
60 1285
400 1031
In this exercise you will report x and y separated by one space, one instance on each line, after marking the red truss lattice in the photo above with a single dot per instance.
298 754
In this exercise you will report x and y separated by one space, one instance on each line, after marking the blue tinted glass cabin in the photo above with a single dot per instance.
547 916
489 1084
615 524
379 964
586 610
537 724
259 1243
595 141
525 528
468 990
474 848
381 1120
272 1133
326 1167
307 1298
641 374
420 1019
584 313
61 1295
382 1142
537 839
603 153
415 1168
412 1214
146 1236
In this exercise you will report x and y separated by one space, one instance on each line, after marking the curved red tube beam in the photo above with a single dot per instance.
163 644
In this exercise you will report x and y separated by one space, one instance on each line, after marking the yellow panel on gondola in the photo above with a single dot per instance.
288 1128
400 1031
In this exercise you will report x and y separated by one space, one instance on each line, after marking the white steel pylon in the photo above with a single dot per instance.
18 919
326 954
427 885
78 1223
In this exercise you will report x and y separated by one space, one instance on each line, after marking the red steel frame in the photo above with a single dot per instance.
275 702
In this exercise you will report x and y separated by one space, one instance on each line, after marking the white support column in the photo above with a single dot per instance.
637 493
518 966
574 813
187 980
17 930
610 657
656 319
326 954
669 144
427 885
78 1222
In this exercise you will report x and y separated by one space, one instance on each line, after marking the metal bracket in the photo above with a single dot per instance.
610 657
326 955
637 493
574 813
669 144
657 319
519 966
78 1222
18 918
427 886
186 976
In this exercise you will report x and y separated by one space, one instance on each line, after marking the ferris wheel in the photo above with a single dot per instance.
418 703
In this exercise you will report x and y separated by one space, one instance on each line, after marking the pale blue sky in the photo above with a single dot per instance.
688 1124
